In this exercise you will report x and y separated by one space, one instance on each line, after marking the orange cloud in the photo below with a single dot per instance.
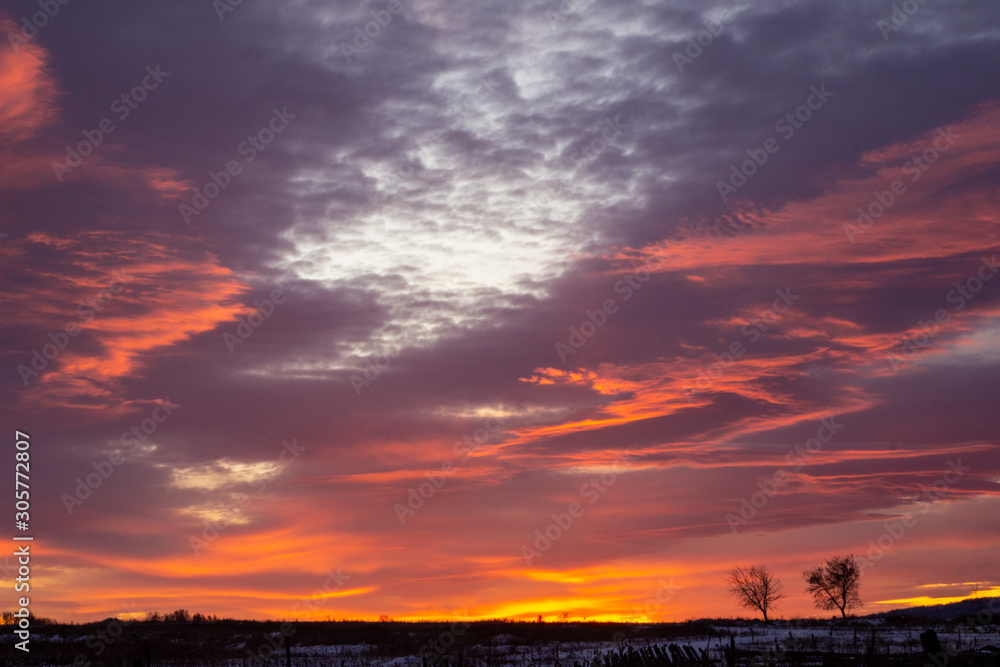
131 295
28 92
943 211
29 104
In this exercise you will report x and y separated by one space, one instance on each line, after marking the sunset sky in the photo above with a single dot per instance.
392 289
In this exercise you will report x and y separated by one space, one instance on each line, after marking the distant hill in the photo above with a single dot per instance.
944 612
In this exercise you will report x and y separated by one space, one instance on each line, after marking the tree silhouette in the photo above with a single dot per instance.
835 584
179 616
755 588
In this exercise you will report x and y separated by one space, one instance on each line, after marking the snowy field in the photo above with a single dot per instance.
526 645
780 637
505 649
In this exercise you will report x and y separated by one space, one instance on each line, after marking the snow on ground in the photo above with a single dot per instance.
779 636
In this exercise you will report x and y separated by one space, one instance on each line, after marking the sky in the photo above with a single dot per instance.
477 309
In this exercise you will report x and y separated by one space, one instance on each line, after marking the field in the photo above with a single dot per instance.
719 643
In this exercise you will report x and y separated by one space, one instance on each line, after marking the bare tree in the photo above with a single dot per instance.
980 605
835 584
755 588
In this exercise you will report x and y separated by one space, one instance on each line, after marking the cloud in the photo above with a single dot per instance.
449 215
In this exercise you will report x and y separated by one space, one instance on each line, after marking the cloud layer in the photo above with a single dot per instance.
719 277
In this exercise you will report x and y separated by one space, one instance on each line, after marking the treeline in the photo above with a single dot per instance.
181 616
